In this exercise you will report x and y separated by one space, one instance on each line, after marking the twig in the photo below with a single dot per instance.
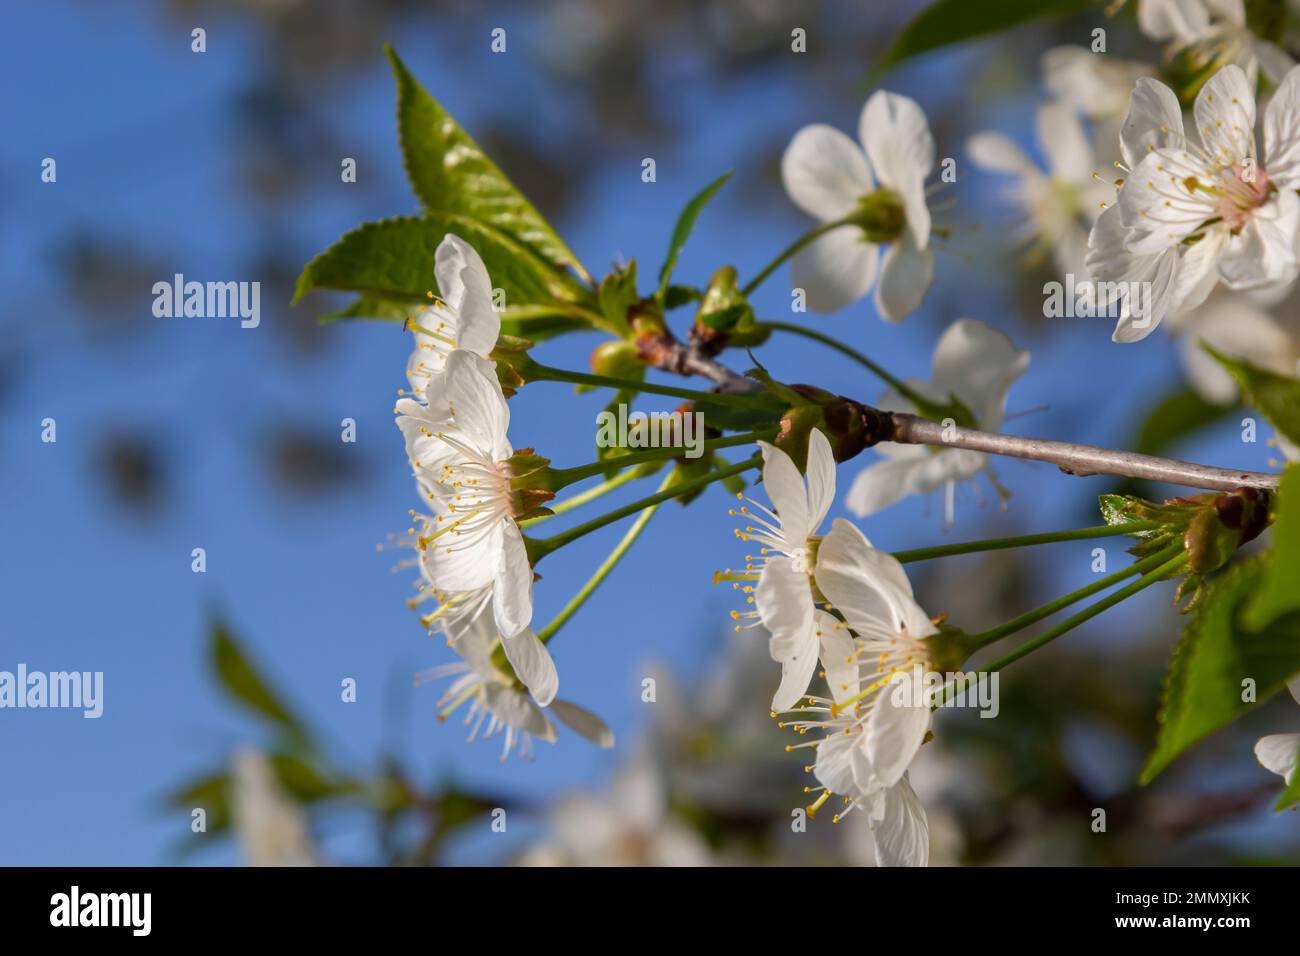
1074 459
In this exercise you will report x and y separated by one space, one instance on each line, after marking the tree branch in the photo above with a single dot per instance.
1076 459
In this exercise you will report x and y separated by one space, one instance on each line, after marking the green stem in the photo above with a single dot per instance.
893 381
547 374
591 494
540 547
1024 540
606 566
568 476
814 233
984 638
1160 573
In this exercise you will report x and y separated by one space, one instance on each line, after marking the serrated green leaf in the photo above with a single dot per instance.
1277 396
682 231
617 294
953 21
1213 659
450 173
393 259
1278 593
238 676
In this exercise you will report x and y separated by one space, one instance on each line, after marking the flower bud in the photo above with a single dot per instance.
515 367
617 358
724 314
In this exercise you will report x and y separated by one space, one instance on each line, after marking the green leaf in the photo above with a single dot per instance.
371 307
245 684
393 260
952 21
451 174
616 295
1277 396
682 231
1214 658
1278 594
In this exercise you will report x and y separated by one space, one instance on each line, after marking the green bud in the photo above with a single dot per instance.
617 358
515 367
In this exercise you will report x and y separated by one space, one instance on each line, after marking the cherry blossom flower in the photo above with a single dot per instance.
974 363
458 447
1190 215
783 598
1059 205
829 176
872 730
1212 33
497 704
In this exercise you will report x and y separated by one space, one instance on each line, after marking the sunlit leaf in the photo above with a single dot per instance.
1215 658
451 174
682 230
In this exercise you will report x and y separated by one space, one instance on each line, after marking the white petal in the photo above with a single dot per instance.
1282 133
1198 271
1183 21
902 835
1154 121
513 587
996 153
834 765
867 586
1293 686
838 656
978 363
517 711
453 567
785 489
1275 62
882 484
1060 133
474 402
836 269
784 602
1225 115
1263 252
825 173
897 138
904 278
897 726
1277 753
1159 212
583 722
1234 325
533 665
465 286
821 478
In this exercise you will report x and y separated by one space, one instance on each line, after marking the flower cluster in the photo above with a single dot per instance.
839 600
470 550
